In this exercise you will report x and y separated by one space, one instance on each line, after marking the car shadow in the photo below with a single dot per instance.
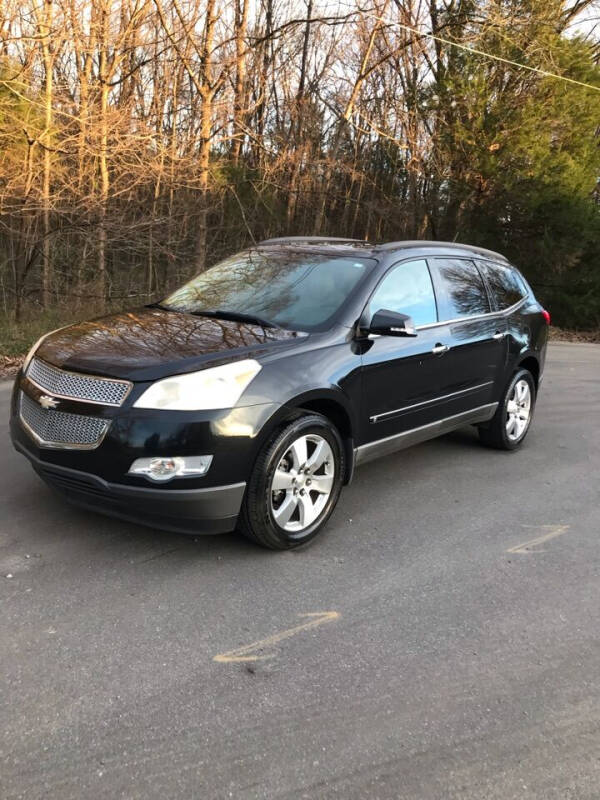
51 519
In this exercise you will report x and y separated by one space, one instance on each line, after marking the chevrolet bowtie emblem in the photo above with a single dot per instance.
47 402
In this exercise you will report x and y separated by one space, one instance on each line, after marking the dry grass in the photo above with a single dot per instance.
17 337
563 335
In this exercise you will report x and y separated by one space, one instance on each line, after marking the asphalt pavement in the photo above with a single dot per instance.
453 651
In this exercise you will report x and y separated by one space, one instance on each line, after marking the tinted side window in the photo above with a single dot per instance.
407 289
462 291
505 284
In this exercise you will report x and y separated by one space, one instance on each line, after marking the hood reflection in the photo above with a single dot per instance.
150 343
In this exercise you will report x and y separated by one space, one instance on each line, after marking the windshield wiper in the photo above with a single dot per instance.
236 316
163 308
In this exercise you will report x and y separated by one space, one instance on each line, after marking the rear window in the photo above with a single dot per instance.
505 284
462 291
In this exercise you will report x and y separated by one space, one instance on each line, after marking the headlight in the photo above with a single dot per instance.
32 350
216 387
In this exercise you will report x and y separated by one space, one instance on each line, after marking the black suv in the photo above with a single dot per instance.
249 395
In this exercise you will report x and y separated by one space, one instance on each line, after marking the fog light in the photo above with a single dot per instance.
163 468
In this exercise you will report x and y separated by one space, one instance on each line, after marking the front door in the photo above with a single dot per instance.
401 376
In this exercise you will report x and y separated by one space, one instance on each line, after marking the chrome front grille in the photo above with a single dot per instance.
60 429
74 386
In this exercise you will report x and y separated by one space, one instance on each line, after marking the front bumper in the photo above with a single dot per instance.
193 511
99 478
232 436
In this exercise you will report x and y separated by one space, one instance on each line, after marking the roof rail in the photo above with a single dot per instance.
482 251
312 240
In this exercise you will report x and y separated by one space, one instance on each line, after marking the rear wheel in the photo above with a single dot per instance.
513 416
295 484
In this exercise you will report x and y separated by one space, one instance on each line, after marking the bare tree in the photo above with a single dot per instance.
140 140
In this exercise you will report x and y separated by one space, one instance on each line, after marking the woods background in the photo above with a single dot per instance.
143 140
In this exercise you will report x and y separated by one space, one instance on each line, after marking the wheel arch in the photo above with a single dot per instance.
532 365
334 406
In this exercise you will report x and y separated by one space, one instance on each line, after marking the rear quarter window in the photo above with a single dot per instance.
505 284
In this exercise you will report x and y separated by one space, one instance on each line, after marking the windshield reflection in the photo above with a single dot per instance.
292 289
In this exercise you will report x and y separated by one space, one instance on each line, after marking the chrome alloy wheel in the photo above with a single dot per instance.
302 483
518 411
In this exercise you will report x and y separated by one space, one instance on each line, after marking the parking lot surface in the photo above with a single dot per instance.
453 649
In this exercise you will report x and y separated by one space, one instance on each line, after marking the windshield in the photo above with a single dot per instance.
287 288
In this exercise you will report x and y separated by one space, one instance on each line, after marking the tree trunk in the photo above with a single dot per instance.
297 155
239 102
207 93
103 159
343 123
44 25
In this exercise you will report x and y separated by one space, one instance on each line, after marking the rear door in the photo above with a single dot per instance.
476 336
526 328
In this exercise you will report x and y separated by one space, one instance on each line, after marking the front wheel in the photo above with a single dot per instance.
295 484
513 416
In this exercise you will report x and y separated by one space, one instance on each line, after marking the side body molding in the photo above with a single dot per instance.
382 447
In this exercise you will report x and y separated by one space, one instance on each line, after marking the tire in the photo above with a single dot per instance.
508 427
294 512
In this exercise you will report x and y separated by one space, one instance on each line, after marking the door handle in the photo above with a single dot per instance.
439 349
499 335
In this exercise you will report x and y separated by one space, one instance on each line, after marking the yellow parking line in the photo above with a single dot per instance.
552 531
248 651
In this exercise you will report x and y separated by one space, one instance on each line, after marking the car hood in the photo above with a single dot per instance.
151 343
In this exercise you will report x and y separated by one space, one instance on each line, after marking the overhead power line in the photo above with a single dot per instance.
469 49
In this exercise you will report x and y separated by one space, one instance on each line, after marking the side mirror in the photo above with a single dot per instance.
390 323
